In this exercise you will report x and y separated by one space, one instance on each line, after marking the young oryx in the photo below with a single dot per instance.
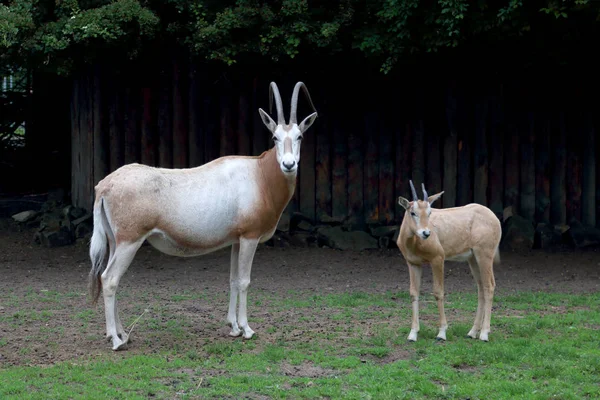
231 201
431 236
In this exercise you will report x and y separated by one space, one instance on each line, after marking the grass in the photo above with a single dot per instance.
344 345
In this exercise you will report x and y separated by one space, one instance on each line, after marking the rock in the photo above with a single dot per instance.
56 195
284 223
305 226
85 218
83 229
518 234
303 239
337 238
546 236
61 237
583 235
507 213
383 242
25 216
326 219
73 212
384 231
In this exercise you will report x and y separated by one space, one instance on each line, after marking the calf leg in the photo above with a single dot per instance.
488 284
415 273
480 300
437 267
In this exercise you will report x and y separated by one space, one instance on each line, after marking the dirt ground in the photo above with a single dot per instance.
34 330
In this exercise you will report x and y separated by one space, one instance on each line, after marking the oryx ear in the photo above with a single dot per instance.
267 120
433 198
403 202
307 122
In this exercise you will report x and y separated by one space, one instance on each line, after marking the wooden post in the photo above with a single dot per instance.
165 127
574 165
148 128
260 134
588 187
371 176
527 198
558 199
244 125
355 174
307 174
131 131
100 141
496 172
386 172
75 139
450 149
180 130
115 124
403 151
480 184
542 170
434 173
511 171
323 166
226 136
417 173
339 198
195 122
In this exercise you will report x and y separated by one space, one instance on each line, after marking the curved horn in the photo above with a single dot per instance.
424 192
294 109
274 93
414 192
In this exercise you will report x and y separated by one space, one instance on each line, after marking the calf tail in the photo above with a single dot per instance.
98 247
497 256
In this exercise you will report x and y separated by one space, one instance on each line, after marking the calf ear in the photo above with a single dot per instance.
267 120
434 197
403 202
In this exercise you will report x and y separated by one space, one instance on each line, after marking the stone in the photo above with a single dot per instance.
284 223
507 213
383 242
583 235
85 218
9 207
337 238
83 229
61 237
25 216
546 236
384 231
303 239
328 220
518 234
305 226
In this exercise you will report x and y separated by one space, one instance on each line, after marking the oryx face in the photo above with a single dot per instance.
287 138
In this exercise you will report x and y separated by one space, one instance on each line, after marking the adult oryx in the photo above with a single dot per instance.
231 201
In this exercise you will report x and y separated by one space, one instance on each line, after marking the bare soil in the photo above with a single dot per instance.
46 316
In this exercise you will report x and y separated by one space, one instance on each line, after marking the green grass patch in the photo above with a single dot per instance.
345 345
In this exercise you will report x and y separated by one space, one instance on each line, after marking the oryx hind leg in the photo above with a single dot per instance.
117 265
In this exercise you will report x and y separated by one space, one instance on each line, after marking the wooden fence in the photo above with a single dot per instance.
500 142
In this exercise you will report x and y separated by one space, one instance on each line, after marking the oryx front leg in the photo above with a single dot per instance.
245 258
415 273
234 291
115 269
437 267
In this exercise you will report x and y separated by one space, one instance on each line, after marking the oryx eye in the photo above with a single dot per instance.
299 138
275 138
413 214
